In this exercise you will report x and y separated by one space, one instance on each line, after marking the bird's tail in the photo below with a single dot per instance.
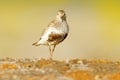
35 44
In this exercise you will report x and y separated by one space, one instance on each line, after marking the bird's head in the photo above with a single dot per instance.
61 14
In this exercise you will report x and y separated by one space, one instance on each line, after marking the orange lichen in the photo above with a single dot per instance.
9 66
79 75
115 76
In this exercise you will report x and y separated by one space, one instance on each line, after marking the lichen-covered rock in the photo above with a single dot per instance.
46 69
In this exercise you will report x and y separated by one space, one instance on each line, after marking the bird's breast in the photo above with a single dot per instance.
62 27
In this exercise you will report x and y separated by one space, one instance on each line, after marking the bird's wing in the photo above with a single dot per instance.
51 24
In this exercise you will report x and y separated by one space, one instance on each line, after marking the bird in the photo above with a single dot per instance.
56 31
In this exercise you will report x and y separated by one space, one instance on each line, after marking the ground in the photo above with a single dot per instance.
46 69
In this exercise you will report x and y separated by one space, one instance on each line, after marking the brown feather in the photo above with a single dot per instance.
56 38
35 44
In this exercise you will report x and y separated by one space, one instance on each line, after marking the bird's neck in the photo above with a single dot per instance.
60 19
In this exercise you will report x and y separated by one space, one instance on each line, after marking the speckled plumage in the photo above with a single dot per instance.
55 33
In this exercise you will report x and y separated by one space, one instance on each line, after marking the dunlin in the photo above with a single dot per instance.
55 33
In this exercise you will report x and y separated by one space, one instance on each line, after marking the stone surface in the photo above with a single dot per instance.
45 69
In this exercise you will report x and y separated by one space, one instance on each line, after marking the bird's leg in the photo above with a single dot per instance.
51 49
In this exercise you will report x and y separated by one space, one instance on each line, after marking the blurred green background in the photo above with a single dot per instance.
94 28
